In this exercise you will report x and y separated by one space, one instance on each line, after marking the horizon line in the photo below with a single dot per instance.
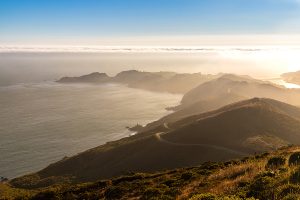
137 48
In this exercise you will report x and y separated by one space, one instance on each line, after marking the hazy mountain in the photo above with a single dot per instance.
162 81
153 81
229 88
232 131
94 77
238 86
292 77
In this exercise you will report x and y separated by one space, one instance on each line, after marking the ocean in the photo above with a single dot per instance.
41 123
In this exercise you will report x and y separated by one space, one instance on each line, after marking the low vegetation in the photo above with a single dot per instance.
294 159
274 176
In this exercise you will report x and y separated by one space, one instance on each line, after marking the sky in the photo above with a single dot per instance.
158 22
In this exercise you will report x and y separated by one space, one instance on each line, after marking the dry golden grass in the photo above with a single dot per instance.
7 192
228 179
225 180
188 189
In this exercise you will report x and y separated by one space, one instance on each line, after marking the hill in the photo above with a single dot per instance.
95 77
273 175
228 88
184 111
292 77
235 87
153 81
236 130
162 81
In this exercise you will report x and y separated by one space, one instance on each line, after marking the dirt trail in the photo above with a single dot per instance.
159 138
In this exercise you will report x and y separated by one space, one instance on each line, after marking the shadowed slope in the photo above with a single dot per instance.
215 136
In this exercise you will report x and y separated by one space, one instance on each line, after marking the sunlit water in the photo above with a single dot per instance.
284 83
42 123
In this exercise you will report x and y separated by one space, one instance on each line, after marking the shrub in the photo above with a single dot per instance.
275 162
243 184
33 181
152 193
294 159
234 198
51 195
98 185
114 192
262 188
127 179
211 165
173 192
164 197
86 187
170 182
295 177
288 190
283 170
291 197
261 155
206 196
187 176
27 181
213 197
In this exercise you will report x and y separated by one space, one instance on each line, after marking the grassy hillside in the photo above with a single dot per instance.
236 130
202 106
273 176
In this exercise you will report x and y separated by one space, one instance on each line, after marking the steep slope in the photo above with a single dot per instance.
219 135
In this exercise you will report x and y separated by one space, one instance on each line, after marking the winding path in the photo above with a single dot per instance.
161 139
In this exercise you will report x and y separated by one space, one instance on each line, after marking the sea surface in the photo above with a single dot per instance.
281 82
41 123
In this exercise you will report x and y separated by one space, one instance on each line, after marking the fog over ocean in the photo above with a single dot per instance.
19 65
